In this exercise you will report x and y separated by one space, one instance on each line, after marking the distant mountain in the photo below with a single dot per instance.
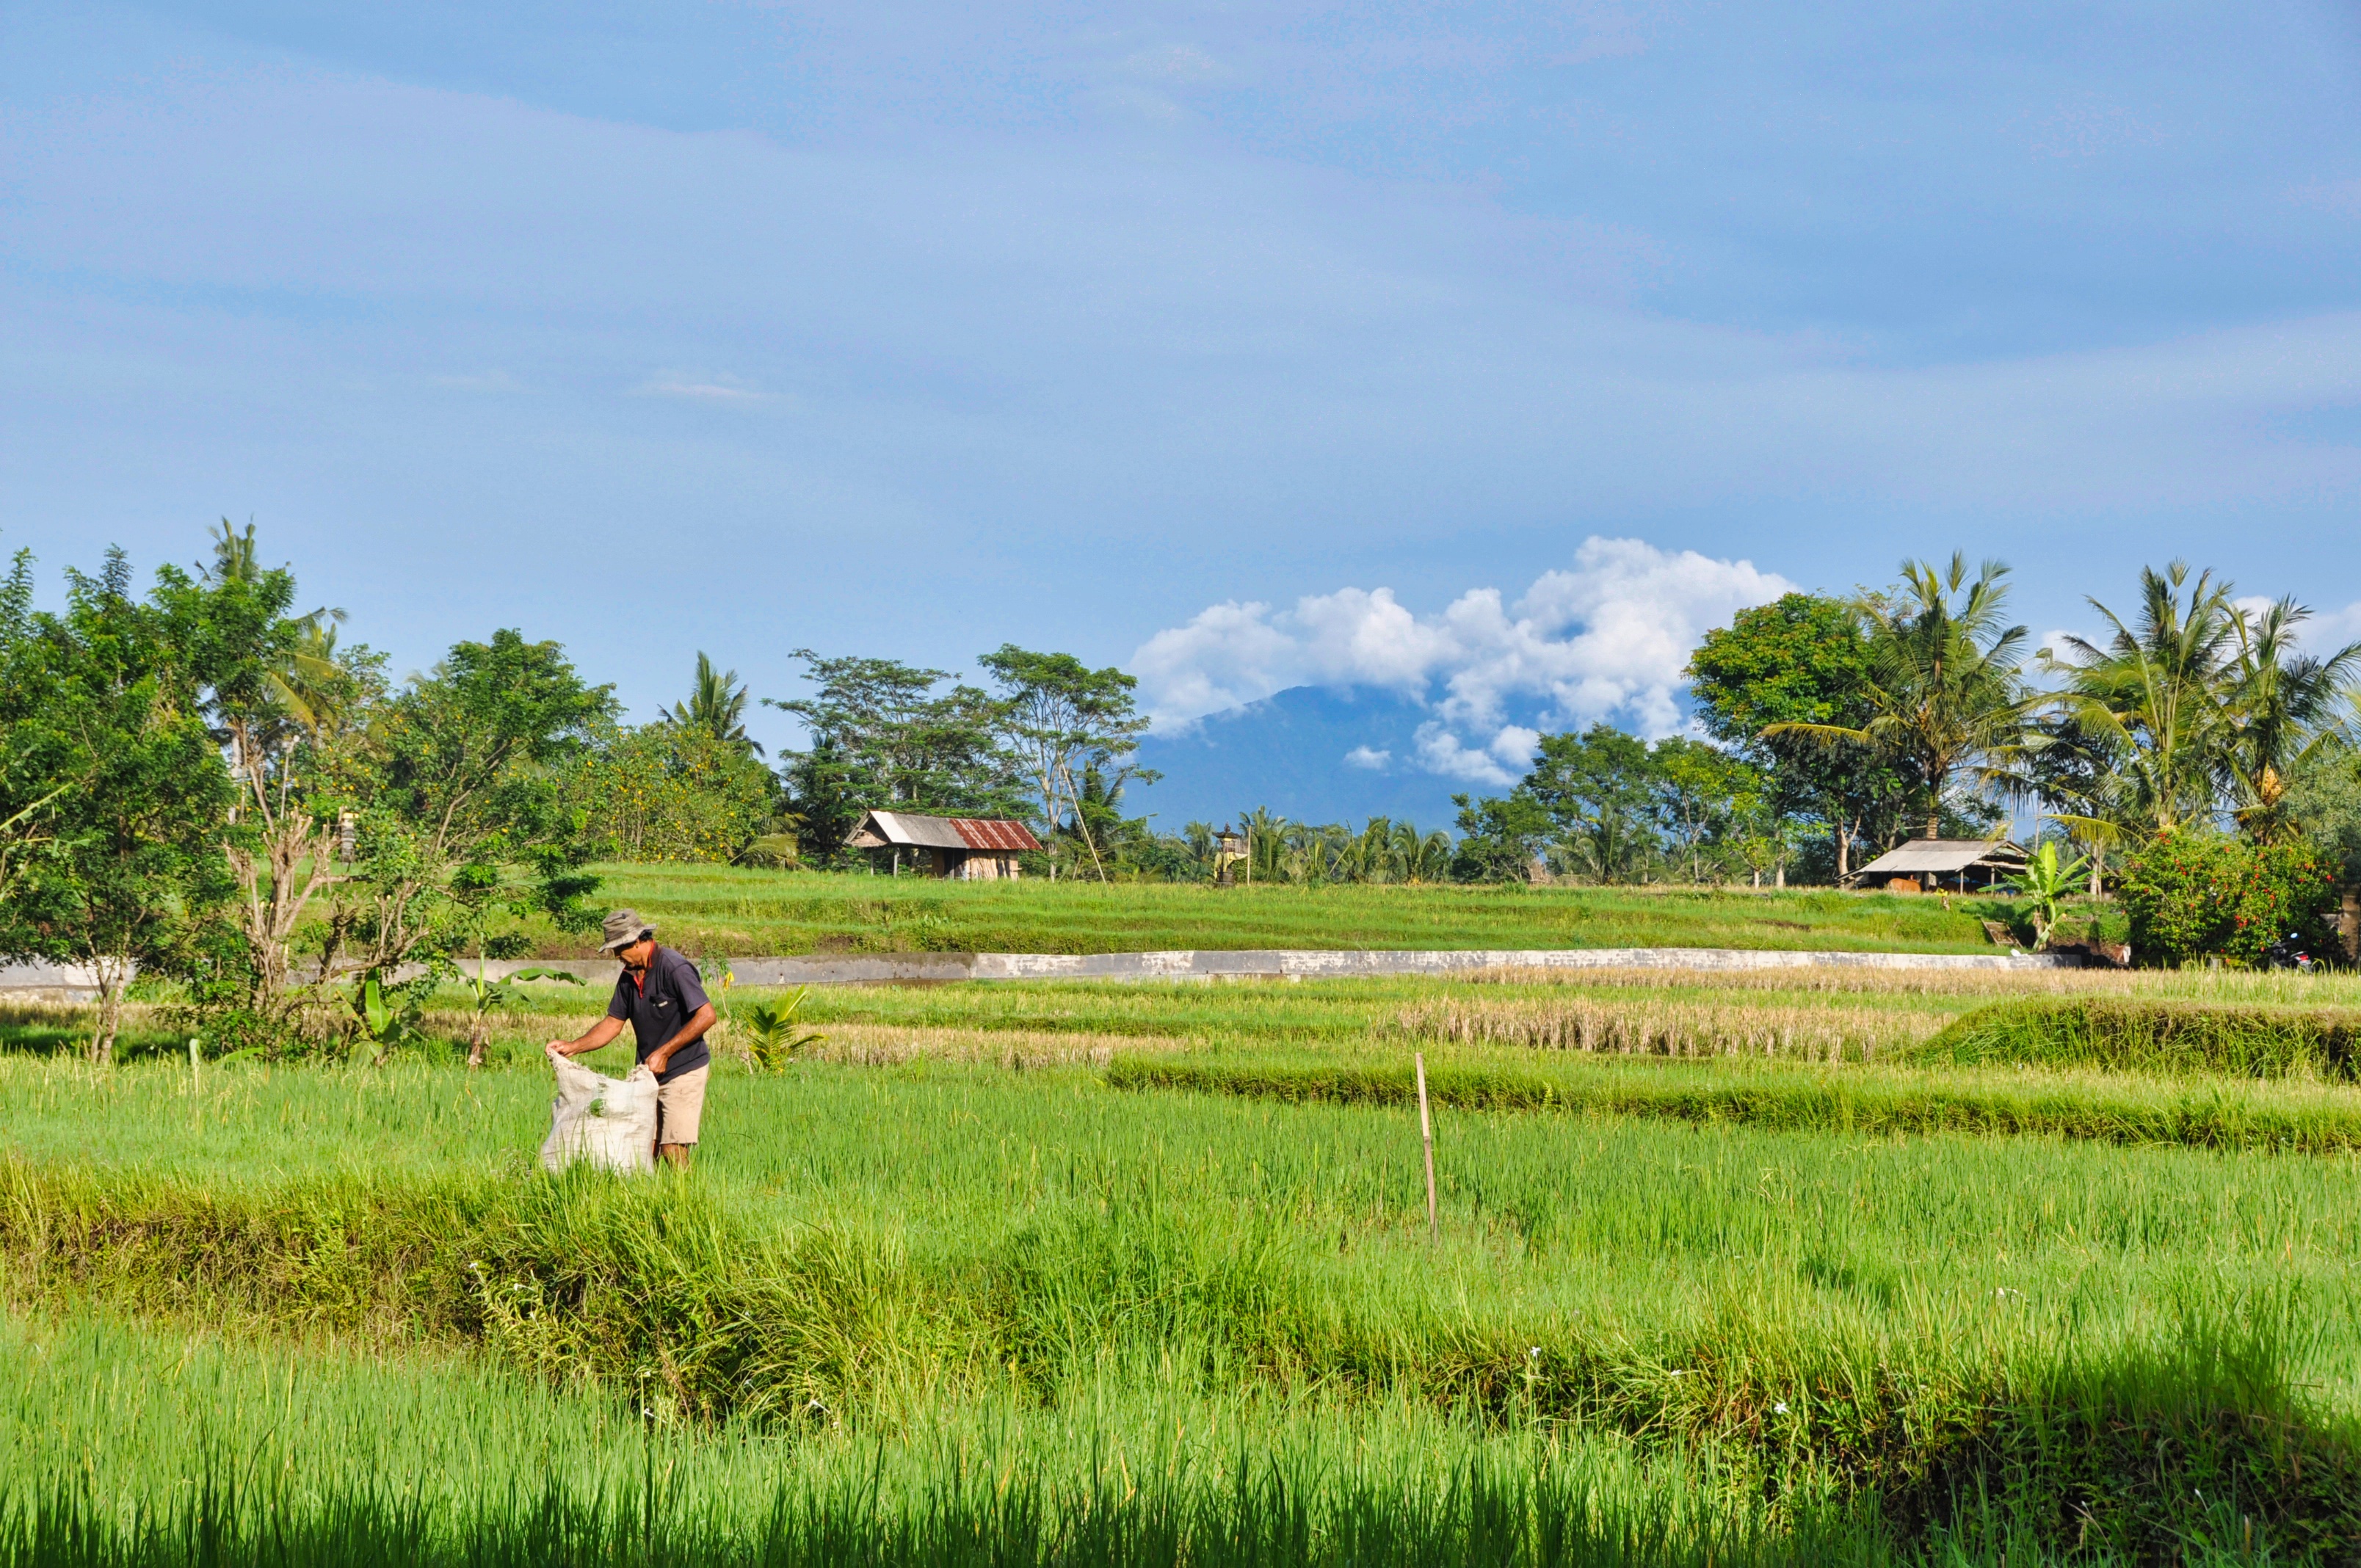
1310 753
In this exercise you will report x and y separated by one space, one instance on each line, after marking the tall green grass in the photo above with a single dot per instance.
2304 1118
1978 1340
741 911
652 1295
138 1447
2170 1037
2022 1320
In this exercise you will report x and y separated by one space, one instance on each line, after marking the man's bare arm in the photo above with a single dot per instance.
604 1030
698 1022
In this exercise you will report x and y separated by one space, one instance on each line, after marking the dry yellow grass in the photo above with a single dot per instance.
1655 1027
2227 985
890 1045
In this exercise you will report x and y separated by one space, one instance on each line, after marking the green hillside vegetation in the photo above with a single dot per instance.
740 911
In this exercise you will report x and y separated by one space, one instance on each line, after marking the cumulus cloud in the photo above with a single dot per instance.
1376 759
1604 640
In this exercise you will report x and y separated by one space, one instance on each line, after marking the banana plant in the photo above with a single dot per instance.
2046 884
384 1022
485 993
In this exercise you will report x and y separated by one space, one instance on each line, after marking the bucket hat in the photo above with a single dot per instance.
623 927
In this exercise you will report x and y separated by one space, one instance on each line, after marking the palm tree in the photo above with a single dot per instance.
2154 707
716 704
2286 707
305 679
1943 683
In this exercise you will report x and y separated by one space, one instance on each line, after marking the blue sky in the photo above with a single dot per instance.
1181 335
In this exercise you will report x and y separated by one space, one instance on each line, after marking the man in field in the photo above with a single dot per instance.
659 993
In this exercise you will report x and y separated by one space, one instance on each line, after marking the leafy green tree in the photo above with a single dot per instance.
885 738
1060 718
1943 690
101 710
669 793
1699 791
1598 789
1802 660
1500 836
716 706
465 774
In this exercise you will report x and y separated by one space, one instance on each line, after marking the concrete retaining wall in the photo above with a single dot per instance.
66 983
1291 964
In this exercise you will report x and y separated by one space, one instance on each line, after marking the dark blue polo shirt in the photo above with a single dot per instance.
658 1006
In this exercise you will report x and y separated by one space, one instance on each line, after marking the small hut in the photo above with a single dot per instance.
1959 864
964 849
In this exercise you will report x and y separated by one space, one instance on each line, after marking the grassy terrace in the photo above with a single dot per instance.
975 1284
731 910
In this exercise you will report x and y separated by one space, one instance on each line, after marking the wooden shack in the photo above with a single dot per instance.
963 848
1960 865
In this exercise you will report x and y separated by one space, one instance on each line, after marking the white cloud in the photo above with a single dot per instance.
722 388
2322 632
1605 640
1372 758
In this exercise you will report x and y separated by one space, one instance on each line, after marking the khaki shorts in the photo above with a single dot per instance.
680 1104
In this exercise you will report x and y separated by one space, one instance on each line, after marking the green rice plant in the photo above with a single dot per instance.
2095 1110
650 1294
751 911
133 1447
2169 1038
1994 1339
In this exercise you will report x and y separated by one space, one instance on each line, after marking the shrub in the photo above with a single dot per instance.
2194 895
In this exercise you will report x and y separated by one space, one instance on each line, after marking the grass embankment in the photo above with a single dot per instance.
134 1446
1787 1326
1866 1103
2170 1037
743 912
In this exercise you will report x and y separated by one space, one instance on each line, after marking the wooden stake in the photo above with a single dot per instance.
1426 1135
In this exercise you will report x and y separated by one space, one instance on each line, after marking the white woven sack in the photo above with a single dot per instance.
608 1124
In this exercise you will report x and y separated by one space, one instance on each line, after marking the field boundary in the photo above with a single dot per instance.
74 984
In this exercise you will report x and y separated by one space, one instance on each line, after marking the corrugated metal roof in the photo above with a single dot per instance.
883 828
1919 855
909 827
994 833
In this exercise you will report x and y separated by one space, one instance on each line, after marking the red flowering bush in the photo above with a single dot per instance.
2197 895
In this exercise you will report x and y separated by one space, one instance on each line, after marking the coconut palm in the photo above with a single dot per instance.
2285 708
716 704
2154 708
1944 685
306 680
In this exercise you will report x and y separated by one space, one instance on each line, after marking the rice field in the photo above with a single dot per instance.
743 910
1724 1269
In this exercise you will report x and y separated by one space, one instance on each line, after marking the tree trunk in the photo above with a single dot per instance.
113 972
1844 846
